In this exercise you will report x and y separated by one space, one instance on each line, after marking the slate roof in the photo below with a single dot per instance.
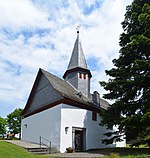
77 60
68 95
104 104
67 90
77 57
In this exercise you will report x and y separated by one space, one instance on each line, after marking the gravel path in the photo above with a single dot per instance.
77 155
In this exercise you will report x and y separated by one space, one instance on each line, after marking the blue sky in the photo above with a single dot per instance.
41 33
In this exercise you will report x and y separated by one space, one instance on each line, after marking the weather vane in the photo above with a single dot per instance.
77 28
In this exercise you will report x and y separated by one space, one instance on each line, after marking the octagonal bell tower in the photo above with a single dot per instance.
77 73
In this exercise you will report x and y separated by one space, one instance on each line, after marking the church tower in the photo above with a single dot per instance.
77 74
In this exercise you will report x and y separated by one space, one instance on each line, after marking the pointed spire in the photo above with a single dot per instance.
77 57
78 27
77 73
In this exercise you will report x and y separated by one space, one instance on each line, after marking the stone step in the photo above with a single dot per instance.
39 151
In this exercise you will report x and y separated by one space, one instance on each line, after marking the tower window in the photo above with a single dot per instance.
94 116
71 75
80 75
84 76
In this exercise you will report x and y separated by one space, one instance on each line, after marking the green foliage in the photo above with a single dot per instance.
8 150
3 124
129 86
14 121
125 152
114 155
138 156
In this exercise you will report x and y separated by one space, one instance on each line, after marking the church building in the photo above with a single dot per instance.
64 111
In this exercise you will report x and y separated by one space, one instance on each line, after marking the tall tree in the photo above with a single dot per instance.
3 124
129 83
14 121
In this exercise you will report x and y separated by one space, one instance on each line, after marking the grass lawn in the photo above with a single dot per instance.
8 150
124 151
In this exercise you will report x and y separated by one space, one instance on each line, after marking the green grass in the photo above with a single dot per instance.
8 150
116 155
140 146
128 152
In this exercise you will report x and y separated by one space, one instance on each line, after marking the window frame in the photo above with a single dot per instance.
94 116
80 75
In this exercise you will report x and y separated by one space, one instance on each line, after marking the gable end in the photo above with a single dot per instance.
42 94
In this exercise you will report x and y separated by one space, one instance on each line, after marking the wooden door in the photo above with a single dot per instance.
79 140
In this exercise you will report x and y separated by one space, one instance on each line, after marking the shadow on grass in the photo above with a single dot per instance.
122 151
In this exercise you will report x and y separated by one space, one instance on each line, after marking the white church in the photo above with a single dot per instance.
64 111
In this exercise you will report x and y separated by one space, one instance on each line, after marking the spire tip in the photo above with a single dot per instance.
77 28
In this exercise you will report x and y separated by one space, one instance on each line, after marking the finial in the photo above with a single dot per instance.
77 28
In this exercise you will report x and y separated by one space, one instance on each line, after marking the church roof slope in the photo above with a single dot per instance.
66 94
104 104
68 91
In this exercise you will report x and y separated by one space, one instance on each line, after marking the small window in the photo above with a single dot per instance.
94 116
84 76
71 75
80 75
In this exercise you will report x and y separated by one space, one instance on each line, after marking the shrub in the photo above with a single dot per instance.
114 155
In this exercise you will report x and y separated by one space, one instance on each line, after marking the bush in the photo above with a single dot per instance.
114 155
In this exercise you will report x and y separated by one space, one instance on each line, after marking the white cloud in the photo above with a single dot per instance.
20 13
38 33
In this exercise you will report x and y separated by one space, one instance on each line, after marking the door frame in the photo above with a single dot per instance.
83 137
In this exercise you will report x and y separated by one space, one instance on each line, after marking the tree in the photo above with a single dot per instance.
3 124
14 121
129 83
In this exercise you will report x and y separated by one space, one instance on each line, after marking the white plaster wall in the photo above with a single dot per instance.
51 124
45 124
76 117
95 133
70 117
